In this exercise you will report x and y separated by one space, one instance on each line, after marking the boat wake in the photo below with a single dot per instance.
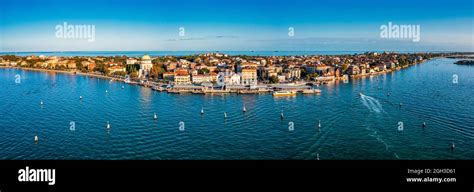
371 103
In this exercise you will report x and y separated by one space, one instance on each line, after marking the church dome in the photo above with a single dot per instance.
146 57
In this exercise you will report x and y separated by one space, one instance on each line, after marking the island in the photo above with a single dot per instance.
219 73
464 62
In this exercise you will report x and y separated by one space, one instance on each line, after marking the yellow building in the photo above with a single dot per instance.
249 76
182 77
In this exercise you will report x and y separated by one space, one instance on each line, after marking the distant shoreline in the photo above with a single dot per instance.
185 53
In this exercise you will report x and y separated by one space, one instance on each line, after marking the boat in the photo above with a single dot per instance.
284 93
311 91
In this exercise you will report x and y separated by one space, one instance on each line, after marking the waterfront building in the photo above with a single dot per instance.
323 70
353 70
132 61
182 77
71 65
292 73
380 67
249 76
213 77
145 67
114 69
168 76
90 66
281 78
228 78
198 79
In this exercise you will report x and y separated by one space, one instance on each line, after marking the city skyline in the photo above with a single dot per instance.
235 26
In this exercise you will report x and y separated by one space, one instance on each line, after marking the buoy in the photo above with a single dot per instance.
244 109
453 146
319 125
317 156
424 124
108 125
36 139
281 115
400 104
41 102
123 87
154 116
388 94
202 111
225 115
106 91
80 97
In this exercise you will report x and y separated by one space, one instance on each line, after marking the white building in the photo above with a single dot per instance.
228 79
145 67
131 61
198 79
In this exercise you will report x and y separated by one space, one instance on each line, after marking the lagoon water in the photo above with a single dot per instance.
353 126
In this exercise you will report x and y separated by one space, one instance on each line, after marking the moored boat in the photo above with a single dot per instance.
284 93
311 91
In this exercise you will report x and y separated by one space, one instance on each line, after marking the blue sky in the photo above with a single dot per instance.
244 25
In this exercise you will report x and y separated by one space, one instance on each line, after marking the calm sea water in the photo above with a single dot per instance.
353 127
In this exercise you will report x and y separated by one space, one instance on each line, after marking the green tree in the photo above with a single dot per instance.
134 75
274 79
101 68
203 71
157 71
304 72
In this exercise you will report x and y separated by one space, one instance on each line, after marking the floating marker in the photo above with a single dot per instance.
123 87
108 125
154 116
36 139
80 97
453 146
317 156
202 111
41 102
225 115
424 124
281 115
244 109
